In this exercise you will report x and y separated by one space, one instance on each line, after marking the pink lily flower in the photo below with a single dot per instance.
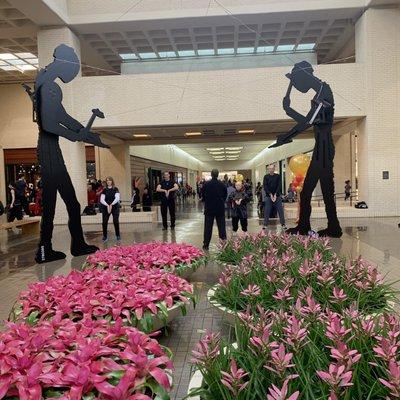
281 394
337 376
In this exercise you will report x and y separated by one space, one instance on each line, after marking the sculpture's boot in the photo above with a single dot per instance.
45 254
82 248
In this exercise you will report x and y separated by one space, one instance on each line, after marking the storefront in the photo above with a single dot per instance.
19 162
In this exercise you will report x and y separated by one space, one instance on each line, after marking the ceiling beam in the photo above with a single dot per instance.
41 12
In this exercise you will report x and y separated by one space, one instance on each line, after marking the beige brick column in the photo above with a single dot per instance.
378 48
115 162
73 153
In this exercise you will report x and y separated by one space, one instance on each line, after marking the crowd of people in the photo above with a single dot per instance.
223 199
26 199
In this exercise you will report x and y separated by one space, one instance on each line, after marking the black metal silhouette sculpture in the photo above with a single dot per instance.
53 121
320 117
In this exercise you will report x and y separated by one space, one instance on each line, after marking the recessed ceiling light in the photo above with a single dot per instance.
215 153
233 152
246 131
234 148
141 135
193 134
214 148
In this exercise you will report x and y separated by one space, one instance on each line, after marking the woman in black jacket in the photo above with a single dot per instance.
110 201
238 200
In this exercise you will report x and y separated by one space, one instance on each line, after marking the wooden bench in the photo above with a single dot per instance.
29 226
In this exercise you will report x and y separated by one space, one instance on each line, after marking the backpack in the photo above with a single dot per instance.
361 204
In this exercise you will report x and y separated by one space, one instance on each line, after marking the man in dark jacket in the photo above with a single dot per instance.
273 196
214 195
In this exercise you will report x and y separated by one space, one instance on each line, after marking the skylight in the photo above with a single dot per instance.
226 51
206 52
18 62
245 50
167 54
265 49
128 56
186 53
305 46
285 47
145 56
231 51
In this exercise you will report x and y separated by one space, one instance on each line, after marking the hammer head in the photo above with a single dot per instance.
97 113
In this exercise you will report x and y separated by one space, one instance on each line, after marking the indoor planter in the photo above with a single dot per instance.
294 268
301 354
87 359
179 258
147 299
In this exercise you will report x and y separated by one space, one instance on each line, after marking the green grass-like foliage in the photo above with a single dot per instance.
278 271
302 354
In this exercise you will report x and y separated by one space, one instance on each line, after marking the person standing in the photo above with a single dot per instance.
230 190
15 209
273 195
146 200
214 197
239 199
347 190
167 189
110 199
20 193
135 199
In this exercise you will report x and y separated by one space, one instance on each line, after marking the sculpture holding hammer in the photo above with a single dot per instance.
53 121
320 117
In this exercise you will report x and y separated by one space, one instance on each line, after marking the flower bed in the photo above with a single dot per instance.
179 258
81 360
142 298
235 249
304 354
294 268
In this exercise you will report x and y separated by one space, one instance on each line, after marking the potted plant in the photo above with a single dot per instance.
147 299
179 258
304 353
89 359
294 268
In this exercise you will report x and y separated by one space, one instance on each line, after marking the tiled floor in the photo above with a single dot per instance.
376 239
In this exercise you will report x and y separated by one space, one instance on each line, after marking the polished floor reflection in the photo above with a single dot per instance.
376 239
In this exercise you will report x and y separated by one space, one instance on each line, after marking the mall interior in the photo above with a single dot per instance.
188 86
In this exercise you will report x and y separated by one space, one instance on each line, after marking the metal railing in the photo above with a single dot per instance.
319 198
